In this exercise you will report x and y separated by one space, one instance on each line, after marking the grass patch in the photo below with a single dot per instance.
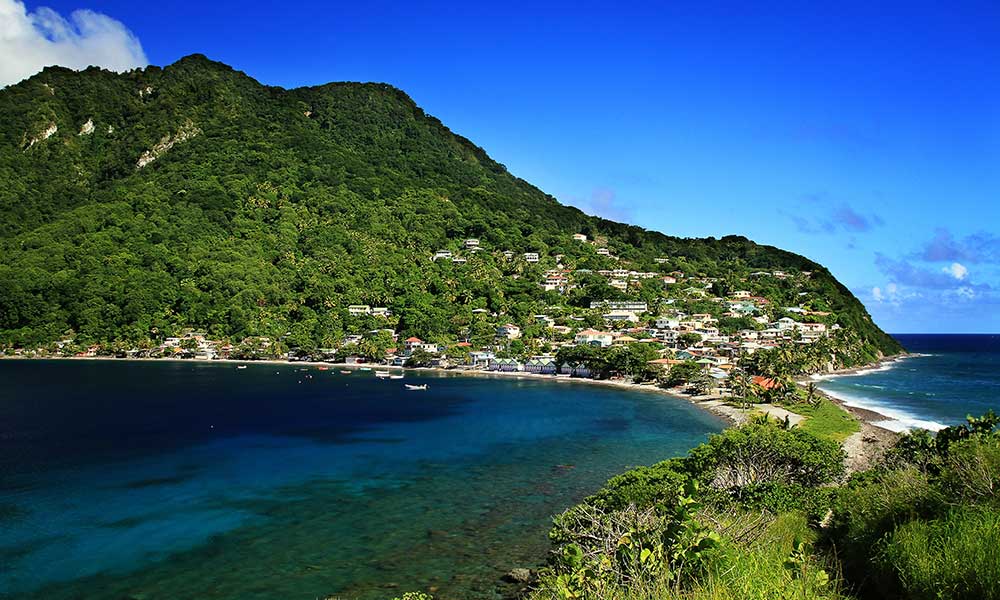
826 420
956 557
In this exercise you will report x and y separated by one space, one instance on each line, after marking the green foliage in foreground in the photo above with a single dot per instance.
712 525
270 211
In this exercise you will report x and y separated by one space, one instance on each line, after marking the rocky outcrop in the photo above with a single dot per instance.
185 133
45 134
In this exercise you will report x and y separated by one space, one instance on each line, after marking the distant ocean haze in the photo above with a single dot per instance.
176 479
948 377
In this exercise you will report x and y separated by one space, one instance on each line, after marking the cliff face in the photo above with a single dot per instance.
192 196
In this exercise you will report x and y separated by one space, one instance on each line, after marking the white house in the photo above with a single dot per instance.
356 310
579 237
741 294
592 337
667 323
604 252
471 243
442 254
621 315
629 305
531 257
509 331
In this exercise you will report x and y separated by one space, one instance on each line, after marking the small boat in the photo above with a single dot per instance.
422 386
365 369
381 374
241 366
323 368
395 376
345 372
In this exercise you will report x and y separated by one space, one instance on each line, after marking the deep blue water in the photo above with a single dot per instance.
950 377
185 480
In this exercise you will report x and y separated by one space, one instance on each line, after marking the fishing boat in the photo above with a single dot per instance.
241 366
422 386
395 376
381 374
345 372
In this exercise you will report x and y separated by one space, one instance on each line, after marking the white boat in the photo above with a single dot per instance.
422 386
365 369
381 374
241 366
395 376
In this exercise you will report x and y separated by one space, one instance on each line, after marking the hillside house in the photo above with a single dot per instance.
592 337
509 331
531 257
579 237
357 310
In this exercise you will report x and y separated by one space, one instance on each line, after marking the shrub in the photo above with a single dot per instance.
814 502
954 558
971 471
765 453
643 487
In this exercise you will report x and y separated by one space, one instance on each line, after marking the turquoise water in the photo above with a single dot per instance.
949 377
182 480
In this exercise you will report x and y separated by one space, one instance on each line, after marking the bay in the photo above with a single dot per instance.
180 480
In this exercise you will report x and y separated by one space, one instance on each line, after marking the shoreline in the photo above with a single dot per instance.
863 449
871 414
707 403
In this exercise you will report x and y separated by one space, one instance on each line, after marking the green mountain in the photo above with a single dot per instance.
135 205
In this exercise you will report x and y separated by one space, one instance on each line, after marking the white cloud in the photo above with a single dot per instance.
31 41
956 270
877 294
966 293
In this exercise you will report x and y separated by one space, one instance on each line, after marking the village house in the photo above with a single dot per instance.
531 257
619 284
592 337
545 320
381 311
741 294
505 365
620 316
472 244
604 252
459 260
668 280
542 365
575 370
579 237
356 310
509 331
442 254
481 359
629 305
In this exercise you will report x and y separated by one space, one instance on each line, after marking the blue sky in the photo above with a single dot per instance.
863 135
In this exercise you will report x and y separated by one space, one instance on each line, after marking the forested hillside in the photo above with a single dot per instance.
135 205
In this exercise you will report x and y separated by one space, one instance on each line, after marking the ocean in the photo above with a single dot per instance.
948 377
149 480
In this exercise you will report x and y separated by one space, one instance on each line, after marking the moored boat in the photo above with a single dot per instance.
422 386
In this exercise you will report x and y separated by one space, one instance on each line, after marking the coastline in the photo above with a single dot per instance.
711 404
861 447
